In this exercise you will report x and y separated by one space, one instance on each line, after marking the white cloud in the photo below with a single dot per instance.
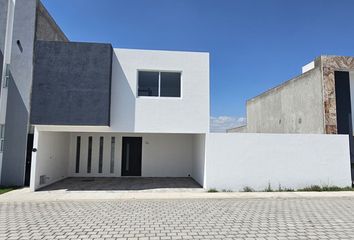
221 123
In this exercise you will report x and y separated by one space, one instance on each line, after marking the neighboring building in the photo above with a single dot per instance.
21 26
317 101
73 109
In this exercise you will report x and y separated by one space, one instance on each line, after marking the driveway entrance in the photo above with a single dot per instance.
125 184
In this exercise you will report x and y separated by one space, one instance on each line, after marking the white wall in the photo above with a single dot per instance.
198 158
163 155
51 158
236 160
188 114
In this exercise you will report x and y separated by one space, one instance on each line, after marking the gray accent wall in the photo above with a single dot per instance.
71 84
1 63
14 154
19 92
22 56
3 22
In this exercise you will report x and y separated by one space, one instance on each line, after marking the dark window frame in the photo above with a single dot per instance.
159 84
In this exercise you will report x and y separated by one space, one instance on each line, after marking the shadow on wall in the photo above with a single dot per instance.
122 184
122 100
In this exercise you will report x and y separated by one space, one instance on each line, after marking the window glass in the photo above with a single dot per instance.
113 141
78 144
170 84
89 155
100 156
148 83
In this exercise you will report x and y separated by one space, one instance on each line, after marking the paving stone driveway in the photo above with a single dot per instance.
312 218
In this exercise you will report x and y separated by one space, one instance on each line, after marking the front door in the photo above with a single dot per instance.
131 156
28 159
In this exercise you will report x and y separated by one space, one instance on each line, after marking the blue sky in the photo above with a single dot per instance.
253 44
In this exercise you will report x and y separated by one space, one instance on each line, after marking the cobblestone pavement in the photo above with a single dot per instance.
312 218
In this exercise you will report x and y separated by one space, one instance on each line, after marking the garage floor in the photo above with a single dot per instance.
125 184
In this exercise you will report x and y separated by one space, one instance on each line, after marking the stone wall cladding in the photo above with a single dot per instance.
329 65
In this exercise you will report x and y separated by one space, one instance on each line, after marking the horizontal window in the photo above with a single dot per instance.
159 84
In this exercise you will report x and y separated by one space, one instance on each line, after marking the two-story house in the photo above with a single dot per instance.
74 109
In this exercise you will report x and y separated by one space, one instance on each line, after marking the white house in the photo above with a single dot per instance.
73 109
159 115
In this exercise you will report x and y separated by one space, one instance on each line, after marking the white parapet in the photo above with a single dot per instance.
308 67
234 161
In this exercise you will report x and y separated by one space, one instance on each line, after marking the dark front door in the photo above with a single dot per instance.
28 159
343 101
131 156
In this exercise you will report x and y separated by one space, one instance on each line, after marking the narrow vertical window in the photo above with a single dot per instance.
7 76
89 154
100 159
78 143
113 141
2 137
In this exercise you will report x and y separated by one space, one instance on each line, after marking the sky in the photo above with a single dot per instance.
254 45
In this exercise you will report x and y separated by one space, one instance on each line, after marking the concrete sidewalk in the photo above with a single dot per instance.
24 195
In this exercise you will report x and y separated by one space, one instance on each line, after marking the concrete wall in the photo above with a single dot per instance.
198 163
14 154
241 129
71 83
188 114
46 27
236 160
18 91
3 23
22 61
293 107
51 158
163 155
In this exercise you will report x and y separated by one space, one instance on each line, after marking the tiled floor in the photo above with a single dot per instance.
312 218
125 184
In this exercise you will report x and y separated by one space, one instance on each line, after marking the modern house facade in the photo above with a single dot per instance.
74 109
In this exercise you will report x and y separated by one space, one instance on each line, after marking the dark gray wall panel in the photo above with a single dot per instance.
14 154
71 84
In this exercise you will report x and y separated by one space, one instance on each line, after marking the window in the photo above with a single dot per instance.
148 84
100 156
2 137
159 84
7 76
113 141
78 143
89 154
170 84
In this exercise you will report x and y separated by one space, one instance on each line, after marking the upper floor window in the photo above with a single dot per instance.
159 84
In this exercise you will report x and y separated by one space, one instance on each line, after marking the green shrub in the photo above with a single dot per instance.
269 188
280 189
212 190
248 189
326 188
226 190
